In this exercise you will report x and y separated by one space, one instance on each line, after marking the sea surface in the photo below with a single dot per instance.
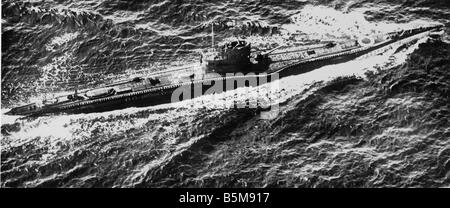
381 120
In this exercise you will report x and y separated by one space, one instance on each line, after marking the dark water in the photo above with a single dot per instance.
384 123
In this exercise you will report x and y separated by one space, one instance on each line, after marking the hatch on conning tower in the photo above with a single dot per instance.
366 41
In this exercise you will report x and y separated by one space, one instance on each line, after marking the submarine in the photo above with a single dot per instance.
227 66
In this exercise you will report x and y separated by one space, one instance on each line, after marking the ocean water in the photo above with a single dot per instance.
377 121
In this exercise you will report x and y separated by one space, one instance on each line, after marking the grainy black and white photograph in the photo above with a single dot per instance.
225 94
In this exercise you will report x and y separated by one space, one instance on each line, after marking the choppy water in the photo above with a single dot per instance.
388 128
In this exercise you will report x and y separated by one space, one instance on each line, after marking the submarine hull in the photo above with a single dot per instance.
151 96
